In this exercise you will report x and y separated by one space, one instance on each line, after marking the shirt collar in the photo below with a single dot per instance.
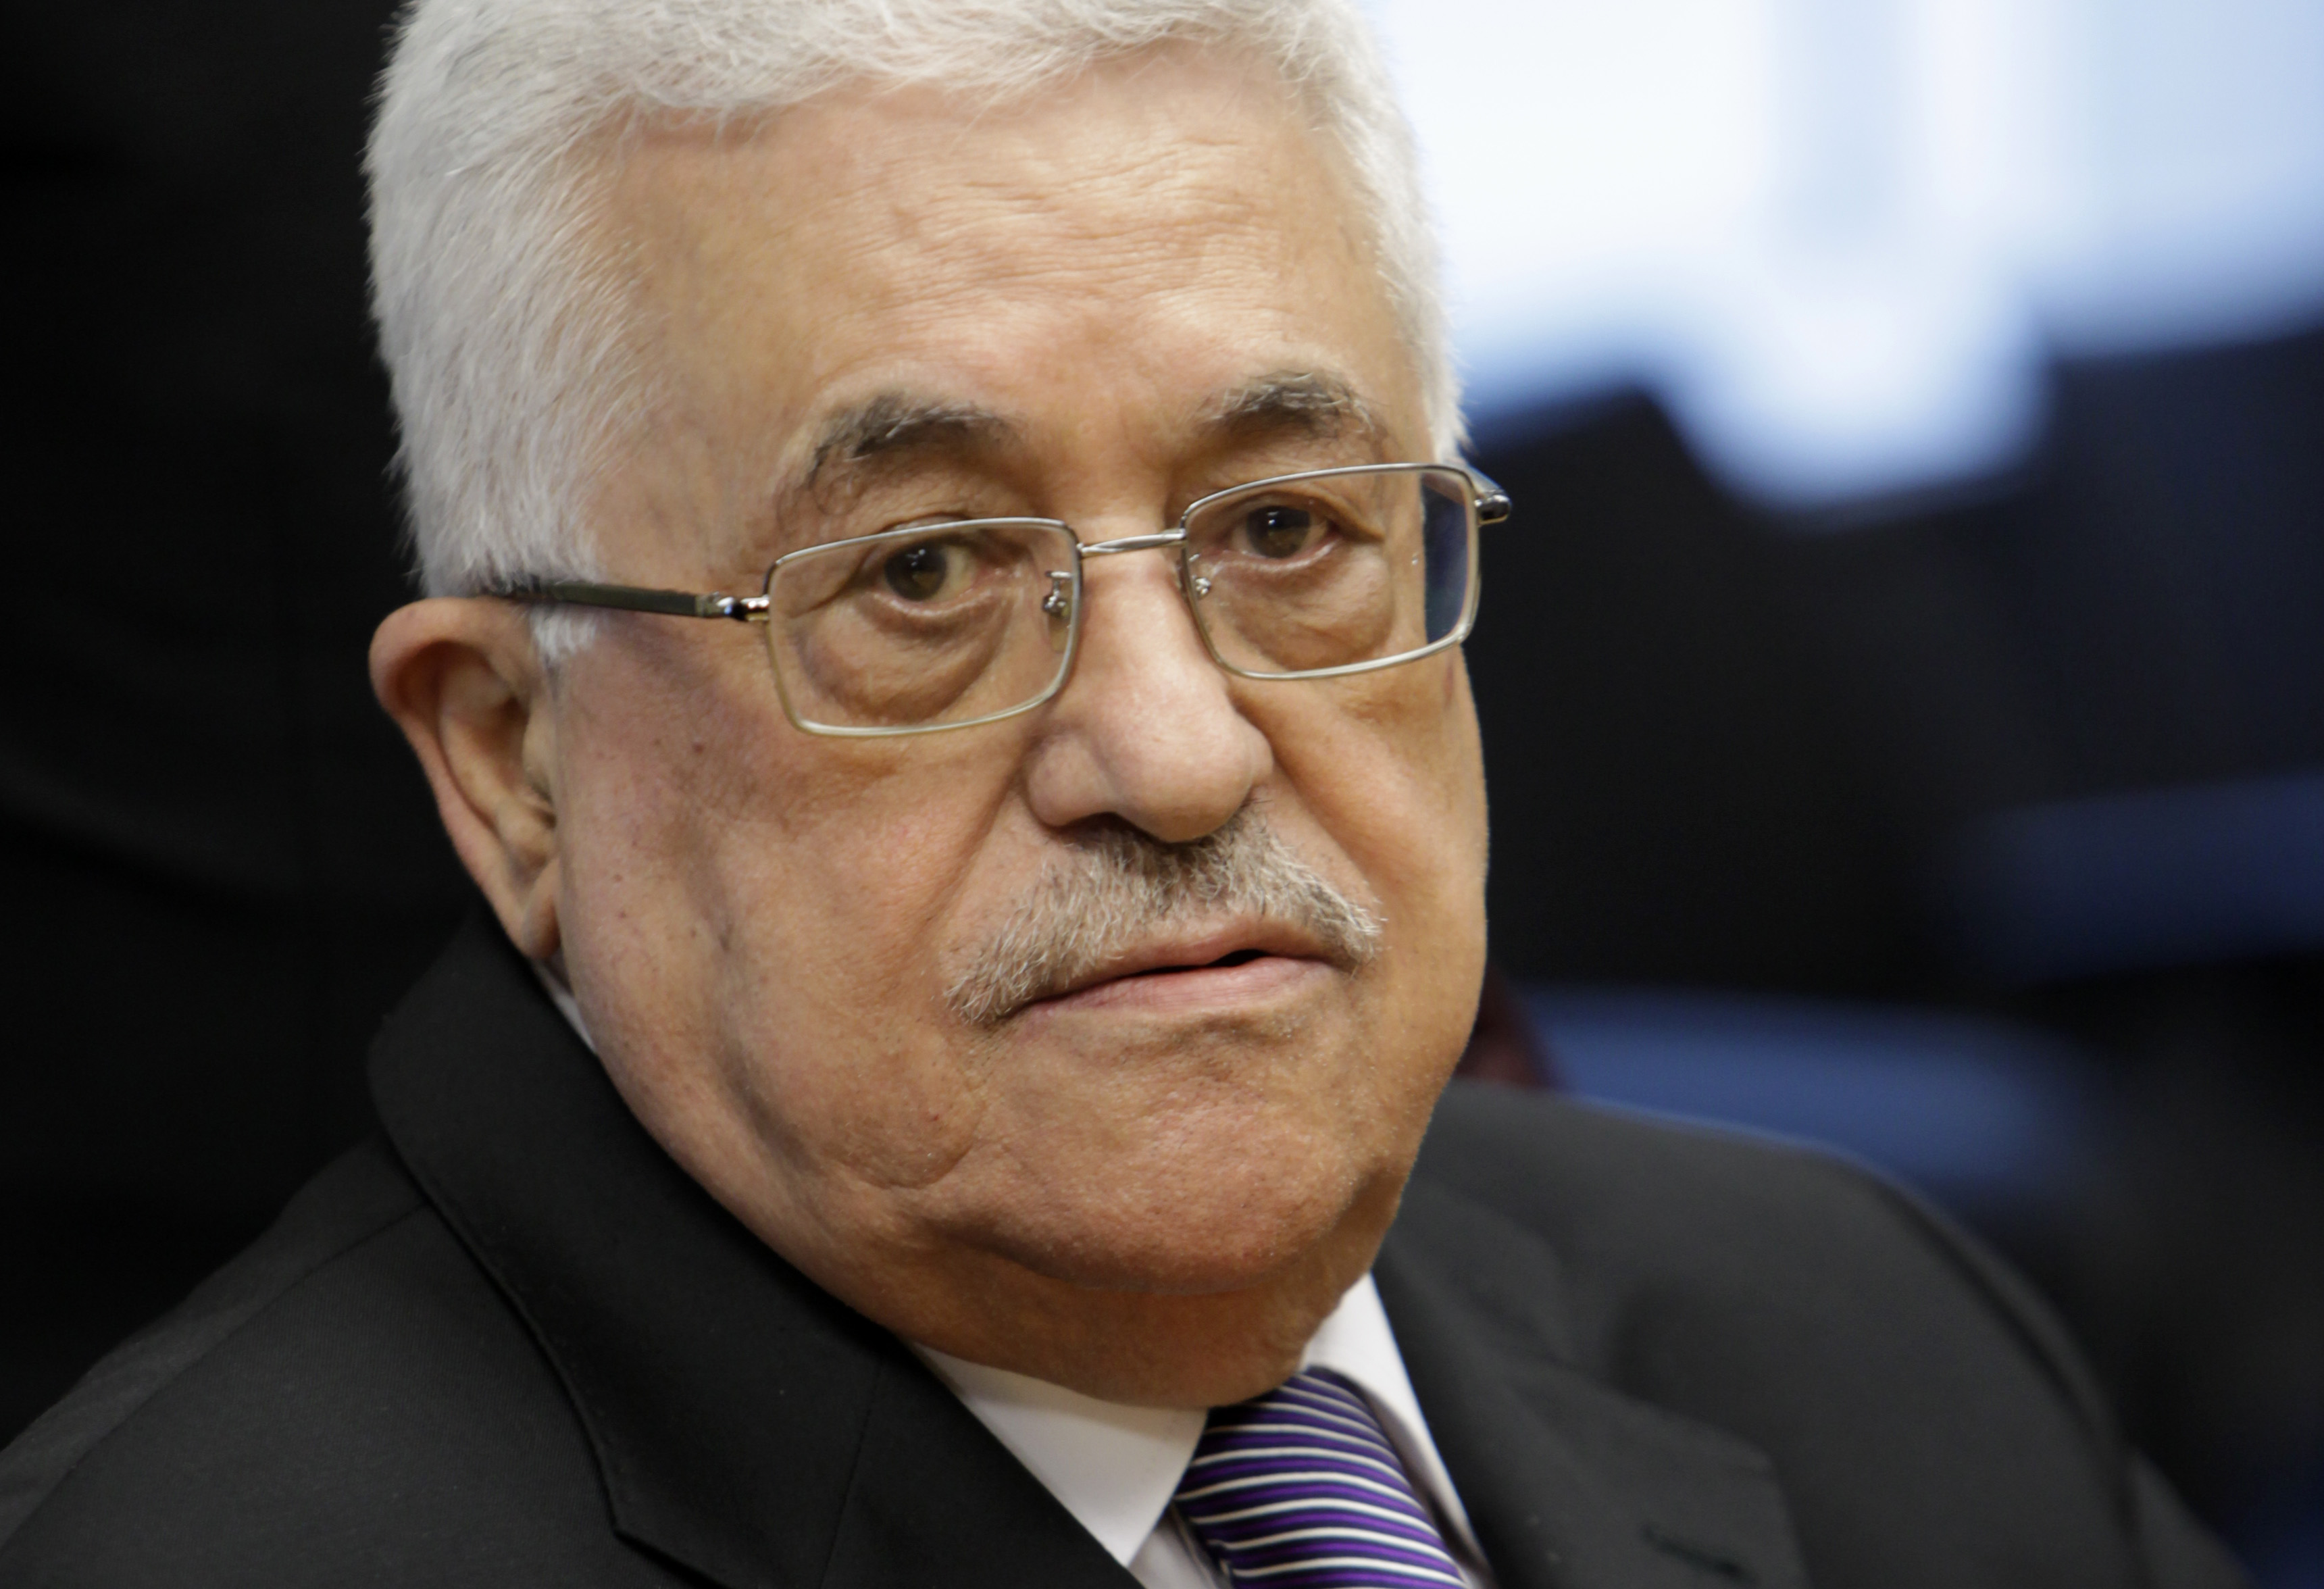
1115 1468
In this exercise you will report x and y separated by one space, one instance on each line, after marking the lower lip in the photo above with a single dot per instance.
1202 988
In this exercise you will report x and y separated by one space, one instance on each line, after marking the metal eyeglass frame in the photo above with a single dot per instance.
1488 504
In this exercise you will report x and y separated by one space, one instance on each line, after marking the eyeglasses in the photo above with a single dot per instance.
952 624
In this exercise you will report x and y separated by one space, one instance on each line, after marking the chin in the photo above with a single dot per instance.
1226 1177
1192 1236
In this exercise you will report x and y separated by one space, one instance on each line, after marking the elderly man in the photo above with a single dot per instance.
945 664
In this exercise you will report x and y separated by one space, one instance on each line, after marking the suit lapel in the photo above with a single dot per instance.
1569 1483
746 1424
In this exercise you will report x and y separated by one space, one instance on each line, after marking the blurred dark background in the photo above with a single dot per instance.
1978 833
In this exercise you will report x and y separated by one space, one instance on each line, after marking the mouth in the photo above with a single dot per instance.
1229 967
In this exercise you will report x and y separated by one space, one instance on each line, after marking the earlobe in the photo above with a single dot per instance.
461 679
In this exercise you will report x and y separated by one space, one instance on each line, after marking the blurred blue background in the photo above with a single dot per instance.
1839 239
1903 684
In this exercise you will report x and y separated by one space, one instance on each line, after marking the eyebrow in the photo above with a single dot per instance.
1312 402
897 422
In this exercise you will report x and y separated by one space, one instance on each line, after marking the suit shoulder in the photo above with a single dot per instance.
1536 1156
1833 1320
1661 1202
348 1391
1731 1221
353 1199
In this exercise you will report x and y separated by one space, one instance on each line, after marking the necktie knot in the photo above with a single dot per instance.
1300 1489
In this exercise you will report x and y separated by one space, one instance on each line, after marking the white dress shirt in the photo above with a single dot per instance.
1115 1468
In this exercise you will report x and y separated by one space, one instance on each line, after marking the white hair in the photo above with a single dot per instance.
502 327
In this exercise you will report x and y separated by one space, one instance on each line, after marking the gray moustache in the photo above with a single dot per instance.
1119 888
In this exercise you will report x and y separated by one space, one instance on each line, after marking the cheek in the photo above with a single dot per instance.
1390 767
833 1034
758 917
1393 769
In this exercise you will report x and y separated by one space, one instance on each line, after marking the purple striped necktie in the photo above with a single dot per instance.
1299 1489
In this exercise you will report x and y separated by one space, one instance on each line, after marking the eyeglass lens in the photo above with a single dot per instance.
1331 571
954 623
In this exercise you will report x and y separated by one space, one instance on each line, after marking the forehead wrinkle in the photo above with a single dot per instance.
1034 213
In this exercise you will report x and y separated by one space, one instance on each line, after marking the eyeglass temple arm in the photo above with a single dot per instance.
633 598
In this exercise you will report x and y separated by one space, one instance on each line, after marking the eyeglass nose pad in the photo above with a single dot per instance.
1059 607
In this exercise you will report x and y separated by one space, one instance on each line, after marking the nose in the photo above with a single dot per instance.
1146 729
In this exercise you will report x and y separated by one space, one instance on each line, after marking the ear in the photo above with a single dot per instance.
461 679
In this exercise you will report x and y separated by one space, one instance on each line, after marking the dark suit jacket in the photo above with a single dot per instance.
515 1344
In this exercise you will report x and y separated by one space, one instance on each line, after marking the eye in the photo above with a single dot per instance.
1276 531
923 572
